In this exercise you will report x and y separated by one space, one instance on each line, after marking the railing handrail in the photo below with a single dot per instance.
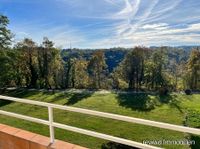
52 124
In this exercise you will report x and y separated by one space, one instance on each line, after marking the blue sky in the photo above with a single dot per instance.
105 23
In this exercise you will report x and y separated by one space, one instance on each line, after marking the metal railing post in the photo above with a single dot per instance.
51 128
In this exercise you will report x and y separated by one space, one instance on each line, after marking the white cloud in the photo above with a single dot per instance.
159 26
107 23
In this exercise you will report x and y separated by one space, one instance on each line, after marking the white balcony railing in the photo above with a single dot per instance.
53 124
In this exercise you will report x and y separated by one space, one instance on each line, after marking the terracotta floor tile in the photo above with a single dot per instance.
79 147
10 130
25 135
41 140
2 126
62 145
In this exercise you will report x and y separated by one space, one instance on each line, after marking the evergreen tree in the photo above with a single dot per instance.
5 34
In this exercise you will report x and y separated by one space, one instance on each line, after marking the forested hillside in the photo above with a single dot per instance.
114 56
42 65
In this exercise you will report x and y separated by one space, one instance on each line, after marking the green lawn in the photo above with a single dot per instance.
172 109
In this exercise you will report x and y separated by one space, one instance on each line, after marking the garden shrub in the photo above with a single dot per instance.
163 91
188 92
114 145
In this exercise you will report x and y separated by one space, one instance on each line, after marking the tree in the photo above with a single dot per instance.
193 67
117 76
174 67
154 74
81 76
5 34
50 64
158 59
28 60
57 68
133 67
149 72
97 69
38 66
69 73
7 71
7 68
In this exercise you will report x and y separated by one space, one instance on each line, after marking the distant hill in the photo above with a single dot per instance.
185 48
115 55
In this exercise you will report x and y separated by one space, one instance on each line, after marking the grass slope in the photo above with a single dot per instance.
170 109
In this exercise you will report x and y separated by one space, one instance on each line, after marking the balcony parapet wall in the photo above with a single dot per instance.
14 138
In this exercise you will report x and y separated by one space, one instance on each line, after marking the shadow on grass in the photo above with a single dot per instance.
20 93
196 145
136 101
172 101
113 145
71 98
4 102
76 97
165 99
60 96
13 93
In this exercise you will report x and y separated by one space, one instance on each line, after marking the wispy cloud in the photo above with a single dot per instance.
106 23
136 30
159 26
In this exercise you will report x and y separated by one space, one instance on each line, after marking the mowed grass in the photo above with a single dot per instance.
171 110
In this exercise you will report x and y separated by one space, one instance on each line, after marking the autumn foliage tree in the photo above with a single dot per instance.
97 69
193 70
